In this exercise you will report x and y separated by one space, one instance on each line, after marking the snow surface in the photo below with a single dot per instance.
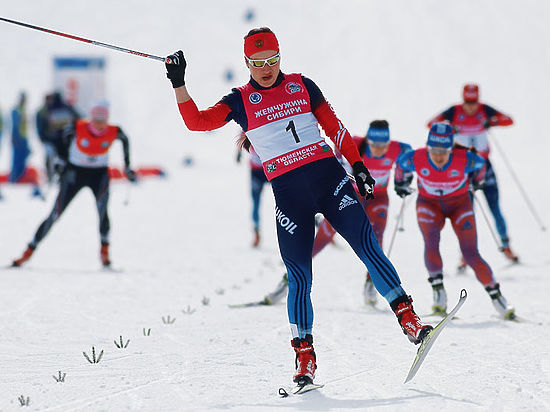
187 237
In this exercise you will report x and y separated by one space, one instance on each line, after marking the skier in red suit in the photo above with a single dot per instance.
280 115
83 159
471 120
444 175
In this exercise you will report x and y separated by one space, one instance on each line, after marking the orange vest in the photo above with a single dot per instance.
91 145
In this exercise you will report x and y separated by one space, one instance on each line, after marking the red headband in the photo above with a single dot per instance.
259 42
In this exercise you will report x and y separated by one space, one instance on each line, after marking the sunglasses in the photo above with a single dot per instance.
439 150
259 63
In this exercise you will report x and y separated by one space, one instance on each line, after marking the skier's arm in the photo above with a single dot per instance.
446 116
330 123
62 144
209 119
125 147
476 167
201 120
405 147
497 118
404 168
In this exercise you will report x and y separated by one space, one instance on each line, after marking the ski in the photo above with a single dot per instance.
430 339
264 302
271 299
299 389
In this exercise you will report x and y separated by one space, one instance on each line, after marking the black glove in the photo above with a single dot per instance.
59 166
130 174
486 124
402 190
363 179
175 70
477 185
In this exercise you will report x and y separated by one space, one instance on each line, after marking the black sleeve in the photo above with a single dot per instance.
125 146
64 142
238 114
449 114
490 111
315 95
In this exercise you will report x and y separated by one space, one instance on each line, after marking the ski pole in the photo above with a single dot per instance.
127 194
401 210
93 42
401 227
518 183
478 202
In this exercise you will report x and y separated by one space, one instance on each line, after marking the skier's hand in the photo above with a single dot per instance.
478 185
59 166
131 175
175 70
402 190
363 180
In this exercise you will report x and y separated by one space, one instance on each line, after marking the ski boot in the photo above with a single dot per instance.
440 296
507 251
500 303
305 360
279 292
369 292
104 255
256 241
26 256
408 320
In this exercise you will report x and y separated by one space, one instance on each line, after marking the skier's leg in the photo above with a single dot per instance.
256 186
431 220
490 190
99 183
377 212
69 186
257 180
464 225
295 221
348 217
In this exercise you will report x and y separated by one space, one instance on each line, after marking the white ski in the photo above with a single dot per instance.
429 340
299 389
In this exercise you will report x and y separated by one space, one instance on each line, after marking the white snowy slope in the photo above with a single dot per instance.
187 237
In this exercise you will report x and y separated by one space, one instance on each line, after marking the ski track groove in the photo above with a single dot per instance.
89 401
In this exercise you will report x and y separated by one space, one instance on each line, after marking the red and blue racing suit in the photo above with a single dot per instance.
443 193
281 123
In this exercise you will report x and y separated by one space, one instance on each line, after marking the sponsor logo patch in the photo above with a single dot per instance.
425 172
340 185
284 221
293 88
255 98
346 201
271 167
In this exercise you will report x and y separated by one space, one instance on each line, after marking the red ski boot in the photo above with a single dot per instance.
104 254
305 360
510 255
409 320
256 241
26 256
